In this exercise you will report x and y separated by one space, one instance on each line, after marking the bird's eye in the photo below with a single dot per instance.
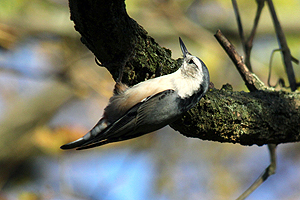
191 61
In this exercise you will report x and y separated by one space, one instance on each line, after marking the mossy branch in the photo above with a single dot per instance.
259 117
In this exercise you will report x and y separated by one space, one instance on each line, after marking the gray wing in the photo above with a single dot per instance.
149 115
94 136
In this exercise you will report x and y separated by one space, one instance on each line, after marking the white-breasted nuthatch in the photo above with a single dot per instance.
149 105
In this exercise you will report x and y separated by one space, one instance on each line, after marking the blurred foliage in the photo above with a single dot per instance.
185 168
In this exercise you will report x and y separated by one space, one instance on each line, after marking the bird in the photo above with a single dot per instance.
148 105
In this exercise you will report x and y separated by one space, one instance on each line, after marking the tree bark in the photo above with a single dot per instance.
118 41
258 117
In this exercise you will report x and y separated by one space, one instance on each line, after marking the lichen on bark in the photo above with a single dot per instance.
259 117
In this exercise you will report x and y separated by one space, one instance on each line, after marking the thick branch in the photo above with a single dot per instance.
259 117
117 40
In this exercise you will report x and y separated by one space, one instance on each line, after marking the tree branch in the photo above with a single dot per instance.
251 81
247 45
286 53
118 41
259 117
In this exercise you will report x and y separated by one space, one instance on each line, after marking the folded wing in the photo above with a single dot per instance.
151 114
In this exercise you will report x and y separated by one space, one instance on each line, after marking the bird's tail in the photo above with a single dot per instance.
96 130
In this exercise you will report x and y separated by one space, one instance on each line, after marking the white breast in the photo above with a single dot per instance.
120 103
186 86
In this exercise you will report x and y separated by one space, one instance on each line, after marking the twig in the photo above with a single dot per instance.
280 82
240 28
287 57
239 23
270 170
247 45
251 81
270 68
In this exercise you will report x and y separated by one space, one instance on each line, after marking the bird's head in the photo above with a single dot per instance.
192 66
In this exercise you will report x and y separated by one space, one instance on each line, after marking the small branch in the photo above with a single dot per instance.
240 27
252 82
247 45
270 69
270 170
287 57
239 21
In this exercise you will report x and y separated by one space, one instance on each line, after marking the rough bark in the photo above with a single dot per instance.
117 40
259 117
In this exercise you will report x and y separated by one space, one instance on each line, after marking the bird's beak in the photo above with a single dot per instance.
183 48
